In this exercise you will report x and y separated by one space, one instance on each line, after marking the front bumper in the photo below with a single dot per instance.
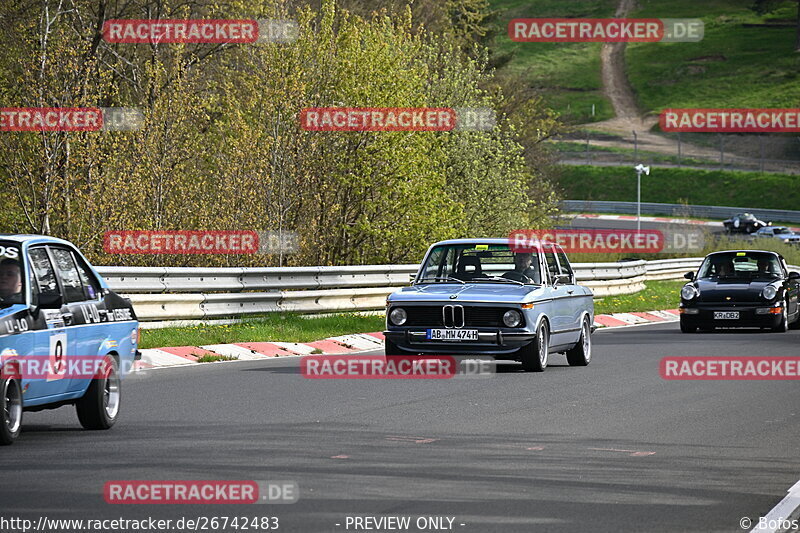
490 341
750 316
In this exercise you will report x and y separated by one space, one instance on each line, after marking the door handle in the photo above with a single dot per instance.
570 291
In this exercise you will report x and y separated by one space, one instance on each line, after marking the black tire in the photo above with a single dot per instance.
11 403
390 348
99 407
536 354
581 353
783 327
685 328
796 323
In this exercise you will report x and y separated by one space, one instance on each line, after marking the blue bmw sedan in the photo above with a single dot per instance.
481 297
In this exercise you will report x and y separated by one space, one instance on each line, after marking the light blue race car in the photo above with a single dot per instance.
480 297
65 338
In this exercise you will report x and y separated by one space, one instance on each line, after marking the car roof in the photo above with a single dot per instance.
31 239
743 251
481 240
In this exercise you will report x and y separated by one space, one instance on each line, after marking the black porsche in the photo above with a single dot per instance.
744 223
745 288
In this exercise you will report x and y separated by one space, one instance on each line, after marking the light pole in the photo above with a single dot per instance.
639 169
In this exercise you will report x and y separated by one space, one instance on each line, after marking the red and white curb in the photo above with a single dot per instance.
359 342
245 351
618 320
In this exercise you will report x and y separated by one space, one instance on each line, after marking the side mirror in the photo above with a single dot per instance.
794 275
689 276
50 301
561 278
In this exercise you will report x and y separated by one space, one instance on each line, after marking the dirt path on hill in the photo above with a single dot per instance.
628 119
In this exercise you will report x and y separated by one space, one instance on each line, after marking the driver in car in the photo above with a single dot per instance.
10 281
522 268
765 267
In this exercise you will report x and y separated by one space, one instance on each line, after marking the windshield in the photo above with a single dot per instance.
781 231
12 286
480 263
741 266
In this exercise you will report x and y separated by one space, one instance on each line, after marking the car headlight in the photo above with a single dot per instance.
769 292
688 292
512 318
398 316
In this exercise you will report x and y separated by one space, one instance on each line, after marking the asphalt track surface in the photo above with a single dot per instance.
610 447
627 224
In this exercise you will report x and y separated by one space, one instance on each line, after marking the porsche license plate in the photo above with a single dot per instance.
452 334
726 315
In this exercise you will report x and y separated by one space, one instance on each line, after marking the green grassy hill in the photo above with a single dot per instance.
674 185
734 66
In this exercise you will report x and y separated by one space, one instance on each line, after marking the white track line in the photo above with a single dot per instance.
780 512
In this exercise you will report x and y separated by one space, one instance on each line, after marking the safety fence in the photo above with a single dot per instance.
177 293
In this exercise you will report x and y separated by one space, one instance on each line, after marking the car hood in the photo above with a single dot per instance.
736 290
469 292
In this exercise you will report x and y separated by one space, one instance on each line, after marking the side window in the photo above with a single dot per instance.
566 268
91 287
552 265
70 279
44 276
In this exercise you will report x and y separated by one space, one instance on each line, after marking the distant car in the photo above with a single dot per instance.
781 233
744 223
478 297
57 313
745 288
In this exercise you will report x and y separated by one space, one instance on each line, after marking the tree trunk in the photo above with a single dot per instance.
797 41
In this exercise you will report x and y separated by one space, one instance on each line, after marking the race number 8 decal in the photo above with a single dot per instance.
58 345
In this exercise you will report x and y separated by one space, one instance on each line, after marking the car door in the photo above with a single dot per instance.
81 308
53 342
792 291
560 307
94 313
575 298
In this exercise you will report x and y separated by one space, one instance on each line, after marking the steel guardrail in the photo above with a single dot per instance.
186 293
699 211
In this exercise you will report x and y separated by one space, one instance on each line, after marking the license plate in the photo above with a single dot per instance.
452 334
726 315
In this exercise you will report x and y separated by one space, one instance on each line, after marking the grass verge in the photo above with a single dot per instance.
658 295
680 185
277 327
292 328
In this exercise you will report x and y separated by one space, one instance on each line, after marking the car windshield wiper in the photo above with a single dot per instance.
500 278
445 278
